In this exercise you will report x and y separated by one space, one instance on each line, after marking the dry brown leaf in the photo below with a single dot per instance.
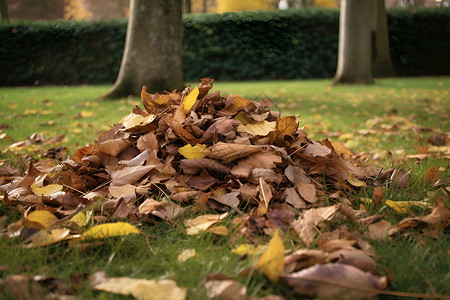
431 176
311 221
129 175
292 197
307 191
286 127
228 152
379 231
263 160
335 281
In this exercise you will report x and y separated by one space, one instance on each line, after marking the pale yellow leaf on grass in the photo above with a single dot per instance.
189 100
404 206
134 120
86 113
197 151
248 249
43 217
185 255
109 230
143 289
259 128
355 181
46 190
271 262
202 223
48 237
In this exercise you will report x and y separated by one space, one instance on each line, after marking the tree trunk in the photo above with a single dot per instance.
382 63
355 47
152 54
4 11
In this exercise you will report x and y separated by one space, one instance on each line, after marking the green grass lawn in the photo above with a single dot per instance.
389 120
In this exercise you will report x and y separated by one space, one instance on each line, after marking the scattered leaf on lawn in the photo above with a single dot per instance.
143 289
108 230
334 281
355 181
222 287
192 152
248 249
185 255
271 262
404 206
431 176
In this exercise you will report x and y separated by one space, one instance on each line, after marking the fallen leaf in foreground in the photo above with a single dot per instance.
271 262
109 230
143 289
335 281
222 287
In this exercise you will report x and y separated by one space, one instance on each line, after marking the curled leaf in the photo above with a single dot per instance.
109 230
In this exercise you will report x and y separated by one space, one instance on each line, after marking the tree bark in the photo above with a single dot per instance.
382 63
152 54
4 11
355 46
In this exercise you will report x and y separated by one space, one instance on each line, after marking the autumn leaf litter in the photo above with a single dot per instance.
222 158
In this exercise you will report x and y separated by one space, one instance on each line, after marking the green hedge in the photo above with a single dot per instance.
283 44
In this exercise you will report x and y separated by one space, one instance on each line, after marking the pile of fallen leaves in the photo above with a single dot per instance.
224 156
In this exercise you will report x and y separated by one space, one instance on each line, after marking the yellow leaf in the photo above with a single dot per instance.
271 262
189 100
286 126
247 249
259 128
43 217
81 218
30 112
143 289
355 181
48 237
185 255
108 230
237 103
46 190
86 113
134 120
219 230
198 151
404 206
